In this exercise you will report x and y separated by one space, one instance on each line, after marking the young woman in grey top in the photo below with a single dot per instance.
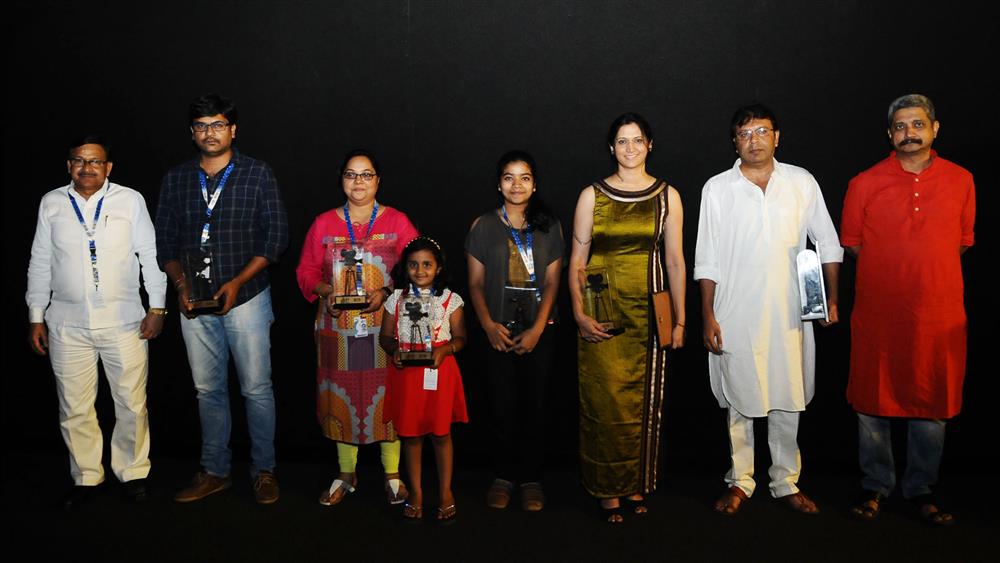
515 258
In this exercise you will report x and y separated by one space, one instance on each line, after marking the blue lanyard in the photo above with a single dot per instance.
203 180
527 254
354 243
90 232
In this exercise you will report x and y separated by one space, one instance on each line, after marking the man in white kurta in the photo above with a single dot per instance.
83 300
755 218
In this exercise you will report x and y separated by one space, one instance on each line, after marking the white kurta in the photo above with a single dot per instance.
747 243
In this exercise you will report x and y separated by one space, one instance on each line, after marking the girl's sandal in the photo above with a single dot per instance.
446 514
611 515
412 513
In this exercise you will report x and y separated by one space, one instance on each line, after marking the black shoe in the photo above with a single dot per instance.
77 496
137 490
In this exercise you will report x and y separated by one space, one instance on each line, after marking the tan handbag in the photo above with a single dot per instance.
663 311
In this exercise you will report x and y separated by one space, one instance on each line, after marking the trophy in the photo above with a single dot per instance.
812 292
599 300
415 334
347 277
518 308
200 281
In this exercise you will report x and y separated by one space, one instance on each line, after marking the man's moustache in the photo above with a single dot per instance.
911 142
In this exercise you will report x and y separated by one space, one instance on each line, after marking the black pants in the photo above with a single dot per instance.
517 389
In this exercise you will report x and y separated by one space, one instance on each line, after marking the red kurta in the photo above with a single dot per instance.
908 329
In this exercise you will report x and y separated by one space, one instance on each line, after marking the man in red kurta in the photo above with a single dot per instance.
908 219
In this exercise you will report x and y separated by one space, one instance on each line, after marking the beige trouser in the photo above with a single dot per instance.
786 463
74 353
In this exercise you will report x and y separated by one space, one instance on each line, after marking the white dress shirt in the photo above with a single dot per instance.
60 279
747 243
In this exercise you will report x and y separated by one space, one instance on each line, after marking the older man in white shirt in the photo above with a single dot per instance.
755 218
83 299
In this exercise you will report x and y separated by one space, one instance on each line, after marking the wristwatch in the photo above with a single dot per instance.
158 311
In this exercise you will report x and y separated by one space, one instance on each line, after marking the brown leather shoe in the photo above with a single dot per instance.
203 485
265 488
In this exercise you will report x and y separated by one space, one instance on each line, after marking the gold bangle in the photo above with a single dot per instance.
158 311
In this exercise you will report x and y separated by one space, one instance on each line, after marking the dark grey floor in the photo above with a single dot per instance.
680 526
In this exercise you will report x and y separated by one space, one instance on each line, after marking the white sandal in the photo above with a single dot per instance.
326 498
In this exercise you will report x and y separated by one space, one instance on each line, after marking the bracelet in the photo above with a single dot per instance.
681 325
158 311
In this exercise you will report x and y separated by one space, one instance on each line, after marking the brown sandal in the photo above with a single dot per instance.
337 491
532 497
395 491
731 502
800 503
412 513
868 505
930 512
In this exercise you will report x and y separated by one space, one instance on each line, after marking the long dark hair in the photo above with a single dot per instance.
537 214
401 280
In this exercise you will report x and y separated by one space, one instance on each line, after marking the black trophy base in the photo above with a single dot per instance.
613 330
350 302
205 306
420 358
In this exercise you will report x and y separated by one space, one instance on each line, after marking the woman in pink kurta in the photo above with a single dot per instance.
351 366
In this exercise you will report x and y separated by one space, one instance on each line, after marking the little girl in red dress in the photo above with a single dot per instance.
425 399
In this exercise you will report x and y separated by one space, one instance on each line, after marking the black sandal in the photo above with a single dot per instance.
929 510
611 515
636 506
868 505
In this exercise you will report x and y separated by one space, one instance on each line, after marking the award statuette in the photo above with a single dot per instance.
812 291
348 277
200 282
414 330
599 299
518 308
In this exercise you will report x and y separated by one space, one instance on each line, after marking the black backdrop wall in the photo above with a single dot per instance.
439 90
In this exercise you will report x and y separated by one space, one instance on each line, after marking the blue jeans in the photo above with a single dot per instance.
246 332
924 446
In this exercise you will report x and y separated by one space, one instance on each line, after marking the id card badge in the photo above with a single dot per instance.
97 299
360 326
430 379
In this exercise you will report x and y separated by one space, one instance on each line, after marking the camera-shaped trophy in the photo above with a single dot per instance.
347 276
812 291
600 298
200 279
518 308
415 331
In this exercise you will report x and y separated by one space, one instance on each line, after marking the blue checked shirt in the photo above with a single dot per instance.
248 220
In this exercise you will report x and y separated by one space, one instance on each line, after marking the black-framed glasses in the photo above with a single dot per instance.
201 127
746 134
366 176
77 162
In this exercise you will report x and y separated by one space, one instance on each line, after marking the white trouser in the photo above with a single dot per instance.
74 353
786 463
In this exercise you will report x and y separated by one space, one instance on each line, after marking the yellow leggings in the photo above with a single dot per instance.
347 456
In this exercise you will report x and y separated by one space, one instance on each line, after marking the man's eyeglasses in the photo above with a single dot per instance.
78 162
746 134
201 127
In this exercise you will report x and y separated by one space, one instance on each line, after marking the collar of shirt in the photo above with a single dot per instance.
897 167
94 198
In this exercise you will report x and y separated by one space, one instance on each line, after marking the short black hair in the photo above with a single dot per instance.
748 113
91 139
400 278
361 152
212 104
